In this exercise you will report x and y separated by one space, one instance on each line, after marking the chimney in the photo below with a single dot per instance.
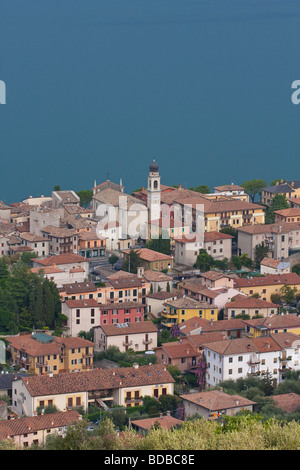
168 413
161 415
135 365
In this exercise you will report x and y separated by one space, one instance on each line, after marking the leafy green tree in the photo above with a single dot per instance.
261 251
113 259
236 261
57 188
253 187
160 244
85 197
204 261
277 180
132 261
203 188
278 202
289 293
230 231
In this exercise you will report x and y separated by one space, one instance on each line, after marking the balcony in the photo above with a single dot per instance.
41 363
148 341
127 343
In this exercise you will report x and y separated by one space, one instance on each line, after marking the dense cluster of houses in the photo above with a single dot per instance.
229 320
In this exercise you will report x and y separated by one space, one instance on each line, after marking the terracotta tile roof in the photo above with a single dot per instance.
250 302
34 347
84 235
125 281
263 344
32 237
165 422
95 380
179 349
188 303
47 270
193 324
199 340
275 321
291 212
28 425
214 275
270 262
68 258
58 232
162 295
288 402
82 303
229 187
150 255
268 280
269 228
129 329
212 236
216 400
156 276
78 287
197 288
121 305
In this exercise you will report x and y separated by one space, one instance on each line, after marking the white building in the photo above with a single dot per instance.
237 358
83 315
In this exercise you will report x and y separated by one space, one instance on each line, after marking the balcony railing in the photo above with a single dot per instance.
148 341
127 343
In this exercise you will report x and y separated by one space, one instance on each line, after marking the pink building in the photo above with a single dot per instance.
122 312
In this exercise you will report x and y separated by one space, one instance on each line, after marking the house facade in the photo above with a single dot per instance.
123 386
138 336
41 353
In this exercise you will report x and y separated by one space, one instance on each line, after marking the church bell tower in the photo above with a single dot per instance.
153 192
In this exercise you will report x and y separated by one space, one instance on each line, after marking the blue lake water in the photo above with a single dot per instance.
98 88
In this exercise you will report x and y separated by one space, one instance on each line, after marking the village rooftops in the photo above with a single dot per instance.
196 323
256 229
250 302
229 187
288 402
262 344
149 255
82 303
121 305
274 322
163 295
165 422
58 232
118 329
268 280
123 282
188 303
31 424
31 237
156 276
217 400
291 212
96 380
78 287
67 258
40 344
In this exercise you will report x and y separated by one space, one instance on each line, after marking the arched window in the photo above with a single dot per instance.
155 184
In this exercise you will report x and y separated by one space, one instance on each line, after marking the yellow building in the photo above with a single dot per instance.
152 260
217 214
289 189
41 353
272 325
179 310
266 286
